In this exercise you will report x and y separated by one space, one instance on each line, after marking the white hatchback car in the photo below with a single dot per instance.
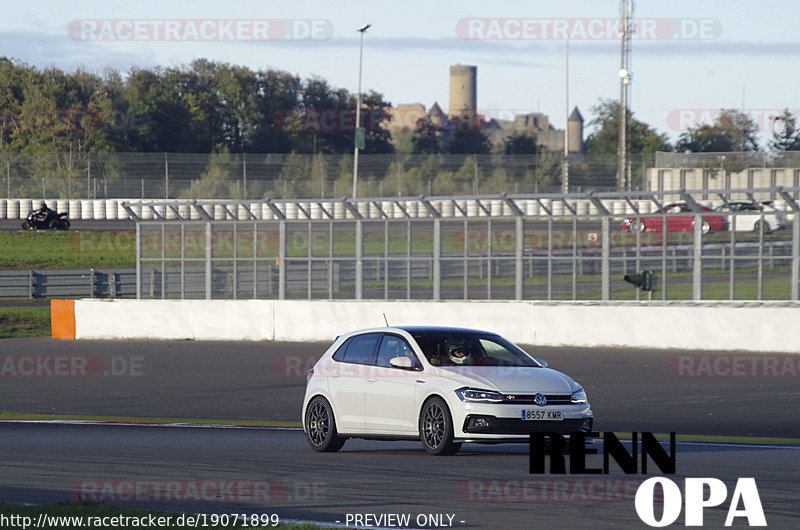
443 386
749 216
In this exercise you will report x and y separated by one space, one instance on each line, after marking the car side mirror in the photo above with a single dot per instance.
542 362
401 362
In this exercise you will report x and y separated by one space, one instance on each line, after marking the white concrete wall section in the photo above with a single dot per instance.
741 326
174 319
324 320
686 326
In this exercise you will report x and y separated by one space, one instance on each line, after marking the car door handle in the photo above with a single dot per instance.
334 374
371 379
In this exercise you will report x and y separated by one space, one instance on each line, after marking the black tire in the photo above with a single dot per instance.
26 225
61 224
436 428
321 427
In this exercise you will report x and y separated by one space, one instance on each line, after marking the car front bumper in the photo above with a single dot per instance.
486 421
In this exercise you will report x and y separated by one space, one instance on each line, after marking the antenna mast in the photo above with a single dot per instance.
626 28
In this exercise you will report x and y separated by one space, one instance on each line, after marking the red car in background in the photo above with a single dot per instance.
675 223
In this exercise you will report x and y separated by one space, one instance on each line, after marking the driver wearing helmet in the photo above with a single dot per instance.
459 354
44 213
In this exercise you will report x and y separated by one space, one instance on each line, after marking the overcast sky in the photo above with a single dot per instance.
689 58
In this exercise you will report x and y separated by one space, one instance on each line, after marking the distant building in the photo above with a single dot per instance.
464 114
463 89
536 123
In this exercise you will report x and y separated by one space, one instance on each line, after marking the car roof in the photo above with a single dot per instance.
442 329
416 329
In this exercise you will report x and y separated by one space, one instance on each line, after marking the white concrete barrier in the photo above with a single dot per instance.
99 207
12 209
74 209
122 213
87 209
24 207
735 326
174 319
112 207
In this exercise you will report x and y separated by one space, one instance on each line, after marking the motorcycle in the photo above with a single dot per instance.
59 221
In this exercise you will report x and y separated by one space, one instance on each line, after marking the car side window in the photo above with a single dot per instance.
391 347
359 349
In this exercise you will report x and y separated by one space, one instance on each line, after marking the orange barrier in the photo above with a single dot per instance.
62 319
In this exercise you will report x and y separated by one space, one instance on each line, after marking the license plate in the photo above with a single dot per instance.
541 415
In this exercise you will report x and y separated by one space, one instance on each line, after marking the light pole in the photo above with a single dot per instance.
626 29
360 133
565 167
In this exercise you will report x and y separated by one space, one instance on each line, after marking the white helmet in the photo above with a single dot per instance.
459 354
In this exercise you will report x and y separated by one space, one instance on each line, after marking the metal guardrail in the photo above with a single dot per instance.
89 283
189 283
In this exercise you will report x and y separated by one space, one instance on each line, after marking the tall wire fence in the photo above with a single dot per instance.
473 249
82 175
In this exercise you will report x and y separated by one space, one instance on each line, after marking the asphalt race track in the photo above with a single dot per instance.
75 224
258 470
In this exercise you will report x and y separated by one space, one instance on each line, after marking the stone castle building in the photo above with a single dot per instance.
464 112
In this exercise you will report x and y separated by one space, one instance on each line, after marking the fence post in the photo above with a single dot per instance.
437 259
91 283
518 276
166 176
282 260
359 260
31 284
209 244
605 281
796 256
138 261
697 258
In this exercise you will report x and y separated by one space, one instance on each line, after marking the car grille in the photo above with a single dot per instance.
515 426
526 399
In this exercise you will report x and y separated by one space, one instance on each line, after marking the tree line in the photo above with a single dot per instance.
217 108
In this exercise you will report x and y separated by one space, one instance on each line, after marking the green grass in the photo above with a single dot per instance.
16 322
679 285
67 250
87 510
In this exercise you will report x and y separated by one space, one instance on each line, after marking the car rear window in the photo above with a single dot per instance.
359 349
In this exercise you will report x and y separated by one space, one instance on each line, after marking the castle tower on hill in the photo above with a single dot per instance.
575 131
463 88
463 113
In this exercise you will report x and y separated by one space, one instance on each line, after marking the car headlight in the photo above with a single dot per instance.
479 396
578 397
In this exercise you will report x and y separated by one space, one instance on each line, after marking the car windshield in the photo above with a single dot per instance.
462 348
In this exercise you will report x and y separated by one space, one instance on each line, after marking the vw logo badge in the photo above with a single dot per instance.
540 400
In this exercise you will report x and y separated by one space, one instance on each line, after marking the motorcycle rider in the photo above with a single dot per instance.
44 214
